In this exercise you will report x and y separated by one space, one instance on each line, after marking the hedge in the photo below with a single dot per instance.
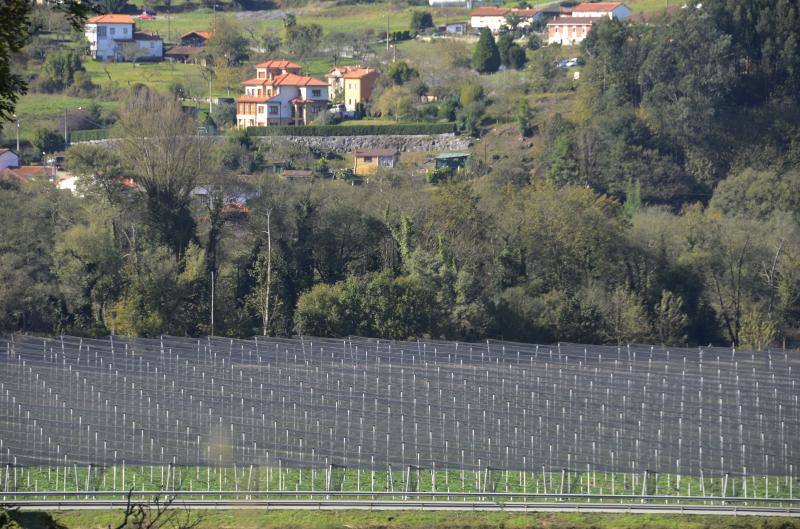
88 135
353 130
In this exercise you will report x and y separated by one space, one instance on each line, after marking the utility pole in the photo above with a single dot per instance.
17 118
269 271
212 303
215 17
66 135
387 34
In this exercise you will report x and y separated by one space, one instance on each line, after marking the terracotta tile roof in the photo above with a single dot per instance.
490 12
596 6
278 64
375 153
291 79
26 172
204 34
341 70
360 73
111 19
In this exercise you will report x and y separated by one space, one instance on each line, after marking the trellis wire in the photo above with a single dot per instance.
370 404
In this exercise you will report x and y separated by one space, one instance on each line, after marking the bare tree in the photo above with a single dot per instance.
162 147
156 513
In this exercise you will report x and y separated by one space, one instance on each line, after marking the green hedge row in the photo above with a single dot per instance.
88 135
354 130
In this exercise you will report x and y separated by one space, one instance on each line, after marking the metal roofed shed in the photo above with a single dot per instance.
452 160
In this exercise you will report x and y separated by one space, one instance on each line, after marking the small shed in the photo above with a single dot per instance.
367 161
451 160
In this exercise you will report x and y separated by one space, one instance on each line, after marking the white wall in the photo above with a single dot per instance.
8 159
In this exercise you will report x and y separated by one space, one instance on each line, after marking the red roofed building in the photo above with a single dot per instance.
25 173
195 39
573 28
112 36
358 86
279 95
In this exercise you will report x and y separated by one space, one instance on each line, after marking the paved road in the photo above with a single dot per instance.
51 505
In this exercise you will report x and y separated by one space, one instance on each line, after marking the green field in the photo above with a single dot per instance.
352 519
37 111
357 19
277 478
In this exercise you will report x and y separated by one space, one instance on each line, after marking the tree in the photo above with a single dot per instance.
14 30
524 118
303 39
59 69
670 321
504 43
485 57
396 102
400 72
420 21
47 140
88 264
160 145
98 170
516 57
227 45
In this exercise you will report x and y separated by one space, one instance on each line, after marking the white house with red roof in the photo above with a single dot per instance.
496 18
280 95
572 28
110 35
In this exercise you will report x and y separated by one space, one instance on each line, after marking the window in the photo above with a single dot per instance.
386 161
367 159
316 93
101 32
152 44
260 109
112 30
273 110
124 30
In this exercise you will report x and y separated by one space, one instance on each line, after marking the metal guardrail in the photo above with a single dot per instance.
253 495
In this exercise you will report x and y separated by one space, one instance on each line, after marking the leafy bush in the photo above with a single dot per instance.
355 130
89 135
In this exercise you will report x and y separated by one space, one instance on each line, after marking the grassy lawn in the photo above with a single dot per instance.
348 19
156 75
46 111
350 519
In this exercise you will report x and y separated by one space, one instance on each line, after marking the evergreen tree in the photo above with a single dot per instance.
524 118
504 44
486 57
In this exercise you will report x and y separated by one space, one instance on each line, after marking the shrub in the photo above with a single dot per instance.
88 135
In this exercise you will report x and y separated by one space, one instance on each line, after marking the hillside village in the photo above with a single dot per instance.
541 172
280 94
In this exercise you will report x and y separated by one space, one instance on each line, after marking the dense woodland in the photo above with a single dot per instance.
663 205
